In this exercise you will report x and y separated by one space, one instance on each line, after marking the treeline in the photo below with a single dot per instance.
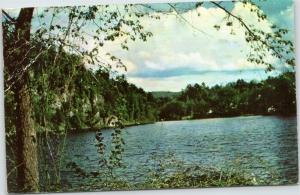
275 95
67 96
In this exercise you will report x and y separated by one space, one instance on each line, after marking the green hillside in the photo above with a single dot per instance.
169 94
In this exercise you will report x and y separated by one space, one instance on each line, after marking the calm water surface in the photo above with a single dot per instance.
259 144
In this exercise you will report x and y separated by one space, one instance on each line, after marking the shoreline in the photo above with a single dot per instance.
95 129
232 116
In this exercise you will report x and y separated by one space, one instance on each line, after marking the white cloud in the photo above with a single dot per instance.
178 83
177 44
194 45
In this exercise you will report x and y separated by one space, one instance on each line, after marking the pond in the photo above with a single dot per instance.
258 144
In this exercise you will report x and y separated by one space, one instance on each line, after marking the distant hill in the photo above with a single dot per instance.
158 94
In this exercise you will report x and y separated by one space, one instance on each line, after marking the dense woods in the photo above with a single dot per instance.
273 96
73 98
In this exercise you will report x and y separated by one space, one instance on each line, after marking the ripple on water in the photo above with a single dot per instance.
258 143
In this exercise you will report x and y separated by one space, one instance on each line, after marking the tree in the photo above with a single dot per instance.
68 36
27 174
174 110
19 57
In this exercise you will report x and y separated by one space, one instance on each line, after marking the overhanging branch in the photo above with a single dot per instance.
12 20
240 20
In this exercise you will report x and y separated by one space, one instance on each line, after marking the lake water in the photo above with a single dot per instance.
259 144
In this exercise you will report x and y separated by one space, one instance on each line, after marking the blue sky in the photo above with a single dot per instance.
178 54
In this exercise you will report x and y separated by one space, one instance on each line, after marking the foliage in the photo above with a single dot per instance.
172 110
170 172
275 95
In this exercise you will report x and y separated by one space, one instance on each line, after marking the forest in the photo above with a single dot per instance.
273 96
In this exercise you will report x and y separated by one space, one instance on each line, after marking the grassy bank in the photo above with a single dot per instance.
170 172
192 177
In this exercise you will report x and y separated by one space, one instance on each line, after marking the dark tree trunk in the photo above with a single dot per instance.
27 161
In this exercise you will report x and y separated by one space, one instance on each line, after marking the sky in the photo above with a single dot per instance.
193 51
188 49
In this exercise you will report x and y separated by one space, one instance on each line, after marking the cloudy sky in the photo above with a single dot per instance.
192 51
188 49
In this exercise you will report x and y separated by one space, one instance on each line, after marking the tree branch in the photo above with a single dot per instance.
12 20
280 56
185 20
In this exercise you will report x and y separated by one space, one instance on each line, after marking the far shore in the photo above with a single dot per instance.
94 129
74 131
231 116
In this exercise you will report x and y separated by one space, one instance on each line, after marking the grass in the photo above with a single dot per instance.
196 177
193 176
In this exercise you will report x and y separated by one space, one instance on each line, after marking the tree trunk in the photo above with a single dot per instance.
27 172
27 161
